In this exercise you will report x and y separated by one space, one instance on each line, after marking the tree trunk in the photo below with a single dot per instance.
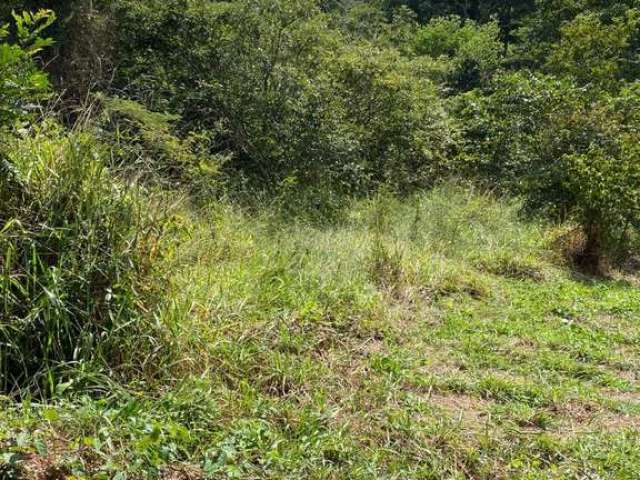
591 259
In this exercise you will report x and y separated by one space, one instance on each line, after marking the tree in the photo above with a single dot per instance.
540 29
594 52
507 14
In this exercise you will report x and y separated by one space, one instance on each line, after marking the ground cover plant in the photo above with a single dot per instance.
317 239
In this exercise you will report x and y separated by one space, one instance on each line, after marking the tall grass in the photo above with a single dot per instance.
73 244
245 286
84 288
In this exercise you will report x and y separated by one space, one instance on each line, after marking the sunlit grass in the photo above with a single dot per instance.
430 337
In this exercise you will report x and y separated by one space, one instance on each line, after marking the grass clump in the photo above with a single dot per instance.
75 244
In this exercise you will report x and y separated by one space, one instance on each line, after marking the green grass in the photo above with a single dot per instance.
434 337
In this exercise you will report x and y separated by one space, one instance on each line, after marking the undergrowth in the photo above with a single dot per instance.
75 249
228 248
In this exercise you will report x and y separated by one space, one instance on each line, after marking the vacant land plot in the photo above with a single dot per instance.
436 337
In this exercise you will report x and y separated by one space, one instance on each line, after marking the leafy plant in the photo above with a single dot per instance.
146 145
23 83
568 149
284 92
473 51
594 52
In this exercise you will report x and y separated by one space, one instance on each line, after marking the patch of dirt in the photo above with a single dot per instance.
36 467
626 397
461 407
612 324
577 412
182 472
441 368
611 422
372 346
514 269
630 376
438 361
349 367
524 343
631 279
583 416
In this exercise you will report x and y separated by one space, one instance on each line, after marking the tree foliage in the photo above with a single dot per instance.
284 91
472 52
23 83
593 51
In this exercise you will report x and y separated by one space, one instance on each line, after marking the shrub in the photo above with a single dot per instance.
242 70
81 60
570 150
23 83
286 94
594 52
567 25
393 116
604 182
366 21
76 242
145 144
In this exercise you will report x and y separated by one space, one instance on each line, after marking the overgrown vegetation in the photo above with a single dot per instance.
75 241
317 239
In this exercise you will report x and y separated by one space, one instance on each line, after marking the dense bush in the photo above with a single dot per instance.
144 144
570 150
473 52
592 51
81 58
283 91
23 83
564 135
508 14
399 128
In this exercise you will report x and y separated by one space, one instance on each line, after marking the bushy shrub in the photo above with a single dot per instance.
284 92
592 51
144 144
23 83
552 22
239 69
81 59
605 183
366 21
570 150
400 132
